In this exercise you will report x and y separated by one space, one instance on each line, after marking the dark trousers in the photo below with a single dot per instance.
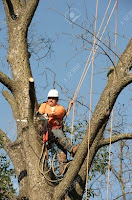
61 141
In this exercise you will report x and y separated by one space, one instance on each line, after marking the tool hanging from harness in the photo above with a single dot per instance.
45 137
44 119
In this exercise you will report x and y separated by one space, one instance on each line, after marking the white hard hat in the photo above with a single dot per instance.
53 93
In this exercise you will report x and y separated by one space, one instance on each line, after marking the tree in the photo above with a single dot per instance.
25 151
6 187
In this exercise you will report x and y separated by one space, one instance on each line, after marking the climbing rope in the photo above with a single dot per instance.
67 164
42 164
42 161
112 113
91 95
72 130
87 67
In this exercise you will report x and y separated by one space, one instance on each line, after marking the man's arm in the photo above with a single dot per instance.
41 109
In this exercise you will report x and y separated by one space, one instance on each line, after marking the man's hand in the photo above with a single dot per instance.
38 113
69 107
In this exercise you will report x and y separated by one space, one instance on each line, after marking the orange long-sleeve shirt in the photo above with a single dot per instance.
56 113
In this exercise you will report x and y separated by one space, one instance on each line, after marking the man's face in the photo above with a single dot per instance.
52 101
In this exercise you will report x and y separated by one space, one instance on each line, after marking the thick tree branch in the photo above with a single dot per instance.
12 103
6 81
80 184
100 115
81 176
125 61
31 7
115 138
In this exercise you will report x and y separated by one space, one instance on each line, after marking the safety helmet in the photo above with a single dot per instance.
53 93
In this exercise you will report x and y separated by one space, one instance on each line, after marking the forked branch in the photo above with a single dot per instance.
31 7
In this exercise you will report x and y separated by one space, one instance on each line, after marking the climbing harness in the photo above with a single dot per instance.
44 155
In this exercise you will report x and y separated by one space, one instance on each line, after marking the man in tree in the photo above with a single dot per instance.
54 113
25 151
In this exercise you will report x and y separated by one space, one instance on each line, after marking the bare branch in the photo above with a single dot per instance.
102 50
119 197
12 103
6 81
54 77
115 138
5 141
114 172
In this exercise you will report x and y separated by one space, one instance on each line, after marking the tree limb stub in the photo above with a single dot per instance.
33 99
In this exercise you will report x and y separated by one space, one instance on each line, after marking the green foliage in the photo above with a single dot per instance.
90 193
6 187
100 162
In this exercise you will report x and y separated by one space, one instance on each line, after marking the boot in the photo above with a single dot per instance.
73 150
62 159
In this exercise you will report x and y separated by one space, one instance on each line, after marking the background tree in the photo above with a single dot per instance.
25 151
6 186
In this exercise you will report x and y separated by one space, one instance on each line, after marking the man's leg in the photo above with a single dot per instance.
61 140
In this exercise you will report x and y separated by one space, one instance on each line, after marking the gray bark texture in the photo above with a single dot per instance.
26 150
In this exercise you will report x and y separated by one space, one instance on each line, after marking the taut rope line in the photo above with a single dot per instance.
91 95
112 113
